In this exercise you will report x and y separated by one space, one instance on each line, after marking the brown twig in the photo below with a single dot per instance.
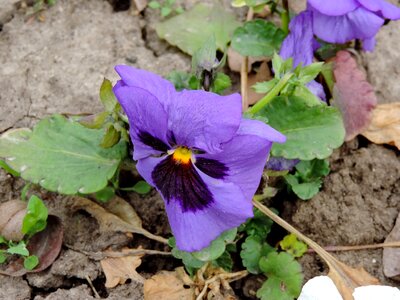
244 71
359 247
96 294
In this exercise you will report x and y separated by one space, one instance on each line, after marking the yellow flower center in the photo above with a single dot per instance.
182 155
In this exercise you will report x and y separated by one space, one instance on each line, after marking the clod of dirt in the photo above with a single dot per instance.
131 291
75 264
80 292
14 288
46 280
391 256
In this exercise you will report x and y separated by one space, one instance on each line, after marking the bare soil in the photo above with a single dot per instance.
56 65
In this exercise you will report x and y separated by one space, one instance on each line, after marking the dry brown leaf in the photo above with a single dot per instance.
391 256
118 270
123 210
385 125
347 279
263 74
235 60
175 285
107 220
140 5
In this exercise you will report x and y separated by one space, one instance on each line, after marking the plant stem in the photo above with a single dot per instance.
271 95
285 16
244 71
360 247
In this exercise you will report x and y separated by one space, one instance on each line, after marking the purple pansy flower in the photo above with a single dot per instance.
340 21
195 148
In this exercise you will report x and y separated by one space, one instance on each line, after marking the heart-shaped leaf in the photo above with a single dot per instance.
61 156
311 131
189 30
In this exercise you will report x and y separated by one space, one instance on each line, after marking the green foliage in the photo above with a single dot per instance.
311 131
260 225
293 246
224 261
284 277
105 194
257 38
220 83
111 137
213 253
183 80
252 250
141 187
19 249
166 7
189 30
35 219
31 262
107 96
61 155
205 58
307 179
7 168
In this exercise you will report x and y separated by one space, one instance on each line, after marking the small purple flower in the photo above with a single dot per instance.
340 21
195 148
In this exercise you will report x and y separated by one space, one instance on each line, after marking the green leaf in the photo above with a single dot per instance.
105 194
165 11
310 169
284 277
183 80
265 87
95 121
305 190
3 240
311 132
257 38
20 249
107 96
308 73
3 258
260 225
35 219
142 187
224 261
217 247
7 168
281 66
293 246
191 263
191 29
253 249
111 137
204 58
61 155
154 4
31 262
220 83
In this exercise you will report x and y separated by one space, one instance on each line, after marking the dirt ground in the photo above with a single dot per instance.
57 65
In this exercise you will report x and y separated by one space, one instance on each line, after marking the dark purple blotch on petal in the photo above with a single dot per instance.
181 182
212 167
153 142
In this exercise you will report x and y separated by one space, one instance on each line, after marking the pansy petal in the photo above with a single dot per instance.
260 129
369 44
147 120
317 89
161 88
358 24
334 7
299 43
195 230
383 8
204 120
244 158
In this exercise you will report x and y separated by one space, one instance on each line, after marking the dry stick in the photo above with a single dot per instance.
360 247
151 236
226 276
244 71
96 294
333 264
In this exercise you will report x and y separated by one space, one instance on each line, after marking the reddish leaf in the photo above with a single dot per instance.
353 94
46 245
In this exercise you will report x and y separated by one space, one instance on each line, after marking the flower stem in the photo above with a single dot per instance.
271 95
285 17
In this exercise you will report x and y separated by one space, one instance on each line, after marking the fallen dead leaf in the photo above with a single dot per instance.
165 285
123 210
391 256
352 94
235 60
118 270
263 74
140 5
110 222
385 125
